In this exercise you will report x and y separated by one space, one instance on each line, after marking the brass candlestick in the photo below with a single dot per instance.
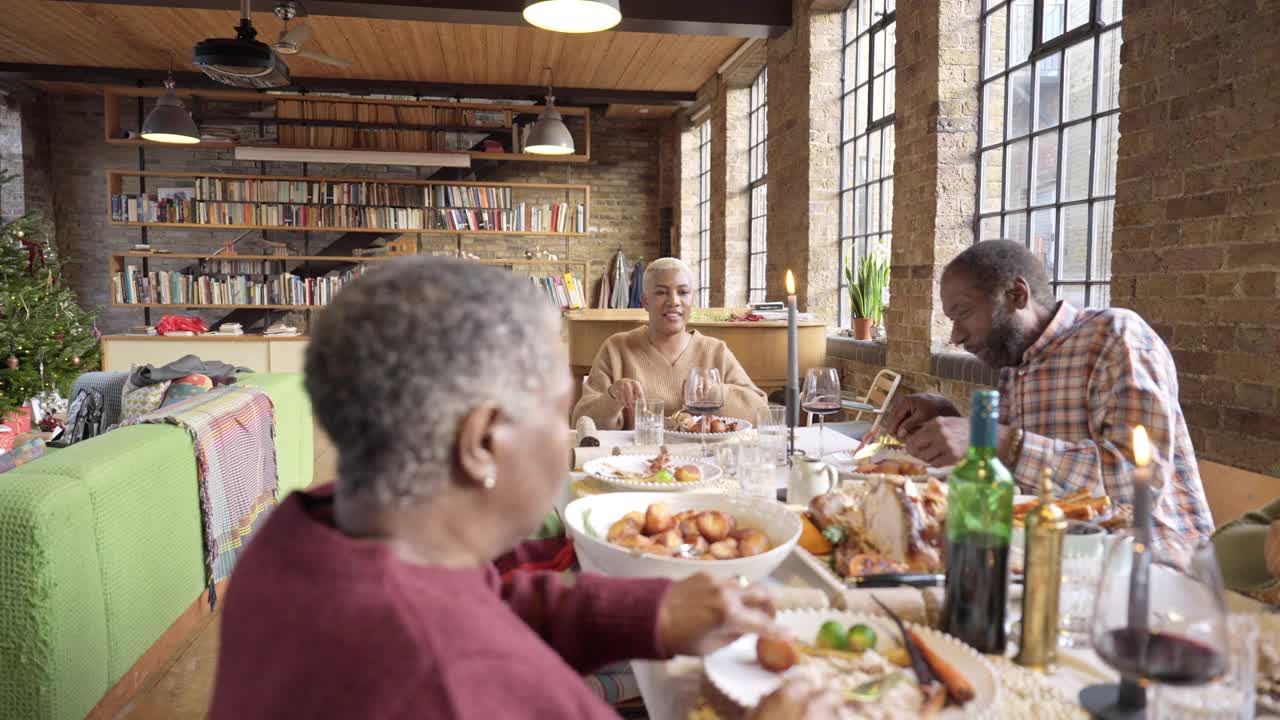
1046 525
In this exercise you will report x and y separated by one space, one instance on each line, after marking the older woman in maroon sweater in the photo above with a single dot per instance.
444 386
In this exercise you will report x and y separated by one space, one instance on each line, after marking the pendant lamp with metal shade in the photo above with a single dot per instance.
549 136
572 16
169 121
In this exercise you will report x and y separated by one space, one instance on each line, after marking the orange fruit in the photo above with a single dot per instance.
811 538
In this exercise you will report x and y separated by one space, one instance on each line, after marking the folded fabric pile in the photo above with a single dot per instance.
280 328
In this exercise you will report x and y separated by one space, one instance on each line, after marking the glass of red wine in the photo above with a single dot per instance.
821 396
704 395
1176 632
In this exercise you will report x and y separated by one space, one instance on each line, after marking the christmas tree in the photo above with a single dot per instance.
46 339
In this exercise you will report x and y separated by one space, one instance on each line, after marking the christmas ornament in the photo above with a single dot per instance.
12 362
20 233
76 361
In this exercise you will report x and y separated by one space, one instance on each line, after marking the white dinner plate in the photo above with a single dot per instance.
844 461
614 469
735 672
743 426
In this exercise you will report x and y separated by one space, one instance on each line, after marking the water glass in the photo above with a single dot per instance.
1232 697
1082 556
771 431
727 457
649 422
759 479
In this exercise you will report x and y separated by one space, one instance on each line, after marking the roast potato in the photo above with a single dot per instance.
726 549
625 526
752 542
776 654
658 519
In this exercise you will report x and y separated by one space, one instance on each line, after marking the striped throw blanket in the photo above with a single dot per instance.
233 433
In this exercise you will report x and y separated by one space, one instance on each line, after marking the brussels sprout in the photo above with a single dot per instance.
862 637
663 476
833 635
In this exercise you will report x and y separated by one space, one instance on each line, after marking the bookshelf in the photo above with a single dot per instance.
549 276
182 287
253 119
262 282
335 204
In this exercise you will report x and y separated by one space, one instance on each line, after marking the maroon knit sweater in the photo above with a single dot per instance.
320 625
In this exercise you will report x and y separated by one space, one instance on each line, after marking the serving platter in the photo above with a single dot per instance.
625 472
743 426
735 671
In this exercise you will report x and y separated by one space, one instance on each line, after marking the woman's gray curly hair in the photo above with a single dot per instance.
404 353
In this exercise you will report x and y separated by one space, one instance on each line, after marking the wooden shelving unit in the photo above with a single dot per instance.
116 186
115 98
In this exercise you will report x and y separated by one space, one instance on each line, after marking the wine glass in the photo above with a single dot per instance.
704 395
1170 628
821 396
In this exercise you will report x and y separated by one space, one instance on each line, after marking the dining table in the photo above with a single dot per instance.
678 690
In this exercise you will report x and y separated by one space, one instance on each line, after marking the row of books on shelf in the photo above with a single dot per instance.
523 217
134 287
417 135
326 192
554 218
314 192
565 291
468 196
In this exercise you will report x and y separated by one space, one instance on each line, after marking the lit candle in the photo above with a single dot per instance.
793 362
1133 694
1142 483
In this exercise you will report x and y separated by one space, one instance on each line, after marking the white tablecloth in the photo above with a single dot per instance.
670 689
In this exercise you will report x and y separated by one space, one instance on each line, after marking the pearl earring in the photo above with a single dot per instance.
490 481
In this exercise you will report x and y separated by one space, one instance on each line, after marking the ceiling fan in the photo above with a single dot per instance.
292 40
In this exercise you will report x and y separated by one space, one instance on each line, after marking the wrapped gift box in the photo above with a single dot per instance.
19 420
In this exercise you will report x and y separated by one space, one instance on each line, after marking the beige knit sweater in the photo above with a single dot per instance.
631 355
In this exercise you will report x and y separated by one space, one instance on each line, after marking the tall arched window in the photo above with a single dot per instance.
704 213
1049 128
866 134
758 186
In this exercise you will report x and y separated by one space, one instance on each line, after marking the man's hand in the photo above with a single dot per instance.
798 700
701 614
1271 551
908 414
627 391
940 441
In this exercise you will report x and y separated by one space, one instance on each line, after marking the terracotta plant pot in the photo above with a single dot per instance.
862 328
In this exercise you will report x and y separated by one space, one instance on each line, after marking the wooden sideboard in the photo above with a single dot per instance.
262 354
761 347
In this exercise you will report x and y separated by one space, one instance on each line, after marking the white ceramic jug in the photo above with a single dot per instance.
810 477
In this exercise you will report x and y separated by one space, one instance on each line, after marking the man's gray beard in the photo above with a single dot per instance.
1007 342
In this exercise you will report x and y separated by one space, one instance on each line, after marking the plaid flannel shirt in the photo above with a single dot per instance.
1080 390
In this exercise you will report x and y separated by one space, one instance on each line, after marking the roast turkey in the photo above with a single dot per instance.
891 523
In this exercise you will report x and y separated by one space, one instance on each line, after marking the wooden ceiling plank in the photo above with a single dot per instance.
739 18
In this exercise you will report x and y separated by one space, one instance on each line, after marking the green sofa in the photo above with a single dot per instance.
100 552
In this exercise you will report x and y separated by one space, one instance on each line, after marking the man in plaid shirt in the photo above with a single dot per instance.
1073 385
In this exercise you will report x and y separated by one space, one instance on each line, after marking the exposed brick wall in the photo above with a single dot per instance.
729 197
12 198
625 196
934 172
1197 226
623 176
687 173
804 163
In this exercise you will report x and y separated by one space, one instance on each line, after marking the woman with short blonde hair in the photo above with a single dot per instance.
653 361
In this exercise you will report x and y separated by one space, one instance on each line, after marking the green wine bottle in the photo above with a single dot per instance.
979 519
